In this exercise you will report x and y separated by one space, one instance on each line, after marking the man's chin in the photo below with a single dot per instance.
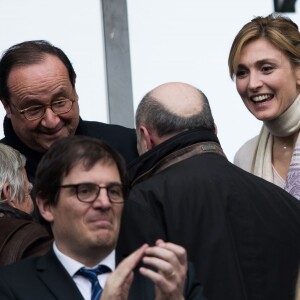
105 239
44 144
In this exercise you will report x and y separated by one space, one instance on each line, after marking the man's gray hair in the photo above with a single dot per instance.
156 116
12 164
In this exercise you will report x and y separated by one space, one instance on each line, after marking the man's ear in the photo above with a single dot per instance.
45 209
7 108
145 140
216 129
5 191
6 194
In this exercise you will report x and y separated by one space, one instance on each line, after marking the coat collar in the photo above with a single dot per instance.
32 157
7 210
145 162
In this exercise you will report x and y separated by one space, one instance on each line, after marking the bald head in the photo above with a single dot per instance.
179 98
168 110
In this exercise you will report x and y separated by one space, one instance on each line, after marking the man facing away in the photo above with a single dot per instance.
80 189
37 90
241 232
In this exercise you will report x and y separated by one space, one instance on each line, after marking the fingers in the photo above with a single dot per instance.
118 283
170 265
166 257
179 251
130 262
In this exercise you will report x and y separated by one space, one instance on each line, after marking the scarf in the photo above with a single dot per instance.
285 125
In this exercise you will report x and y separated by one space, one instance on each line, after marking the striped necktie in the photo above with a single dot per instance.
91 275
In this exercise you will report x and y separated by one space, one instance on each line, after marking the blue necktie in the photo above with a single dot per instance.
91 275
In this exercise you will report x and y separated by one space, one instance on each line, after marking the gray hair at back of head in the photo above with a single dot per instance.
12 163
156 116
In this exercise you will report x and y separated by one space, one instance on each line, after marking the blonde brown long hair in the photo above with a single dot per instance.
280 31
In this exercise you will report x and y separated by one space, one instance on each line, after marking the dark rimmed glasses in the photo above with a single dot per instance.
88 192
34 112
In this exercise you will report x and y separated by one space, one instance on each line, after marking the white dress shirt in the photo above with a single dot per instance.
83 284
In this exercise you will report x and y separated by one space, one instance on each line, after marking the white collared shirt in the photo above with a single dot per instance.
72 266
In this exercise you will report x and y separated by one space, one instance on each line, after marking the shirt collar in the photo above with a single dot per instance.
72 265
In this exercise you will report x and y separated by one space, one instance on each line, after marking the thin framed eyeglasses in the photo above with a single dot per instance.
88 192
59 107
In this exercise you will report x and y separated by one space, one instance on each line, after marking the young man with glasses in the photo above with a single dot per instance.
37 90
80 188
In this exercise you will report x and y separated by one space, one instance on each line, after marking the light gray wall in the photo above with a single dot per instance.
170 40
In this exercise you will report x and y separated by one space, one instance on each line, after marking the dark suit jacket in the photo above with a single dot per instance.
45 278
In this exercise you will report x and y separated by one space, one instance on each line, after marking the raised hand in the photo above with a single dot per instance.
119 282
170 262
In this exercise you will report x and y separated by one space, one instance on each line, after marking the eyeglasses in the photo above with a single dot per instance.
35 112
88 192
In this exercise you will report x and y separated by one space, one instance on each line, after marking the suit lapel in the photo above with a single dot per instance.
56 278
60 284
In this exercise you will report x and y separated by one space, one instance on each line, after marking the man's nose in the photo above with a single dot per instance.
102 200
50 119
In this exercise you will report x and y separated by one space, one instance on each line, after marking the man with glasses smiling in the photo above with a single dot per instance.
37 90
35 112
80 188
